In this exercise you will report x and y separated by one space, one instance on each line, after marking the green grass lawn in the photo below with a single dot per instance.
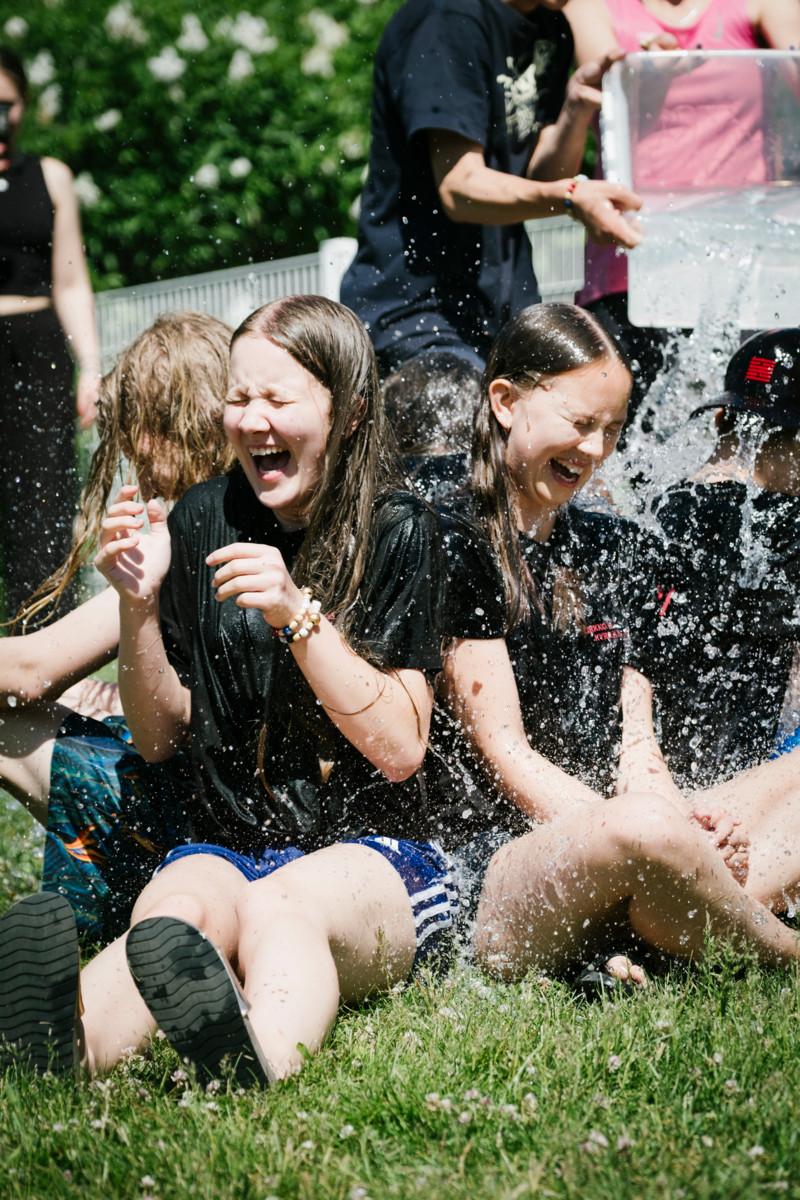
455 1089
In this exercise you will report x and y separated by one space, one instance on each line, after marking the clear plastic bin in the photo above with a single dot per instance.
710 140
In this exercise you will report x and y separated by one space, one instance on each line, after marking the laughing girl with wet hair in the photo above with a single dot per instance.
552 608
281 628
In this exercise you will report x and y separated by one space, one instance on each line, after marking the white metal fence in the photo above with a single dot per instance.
233 293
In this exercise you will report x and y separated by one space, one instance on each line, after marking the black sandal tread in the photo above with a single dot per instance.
193 996
39 984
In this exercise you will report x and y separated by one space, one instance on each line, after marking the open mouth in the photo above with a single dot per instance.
565 475
270 462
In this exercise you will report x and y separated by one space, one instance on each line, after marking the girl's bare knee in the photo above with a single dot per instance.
182 905
648 828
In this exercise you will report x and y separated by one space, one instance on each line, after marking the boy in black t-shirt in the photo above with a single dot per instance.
471 106
738 523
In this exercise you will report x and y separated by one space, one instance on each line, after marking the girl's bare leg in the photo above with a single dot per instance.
766 800
201 889
547 893
326 929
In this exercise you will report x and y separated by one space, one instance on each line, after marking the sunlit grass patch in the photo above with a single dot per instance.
456 1088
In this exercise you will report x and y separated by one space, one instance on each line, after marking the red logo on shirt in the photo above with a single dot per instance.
605 632
761 370
665 596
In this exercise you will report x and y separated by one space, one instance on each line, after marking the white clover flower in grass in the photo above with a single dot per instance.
108 120
50 103
86 190
167 66
328 33
241 65
317 61
121 24
15 27
41 69
206 176
240 167
193 38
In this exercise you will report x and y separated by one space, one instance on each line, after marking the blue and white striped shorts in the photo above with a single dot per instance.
424 868
427 874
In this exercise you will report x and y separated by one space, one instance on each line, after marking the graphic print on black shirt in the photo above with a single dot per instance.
722 699
480 69
300 781
568 683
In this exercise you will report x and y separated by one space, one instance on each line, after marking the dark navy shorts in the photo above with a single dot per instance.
423 867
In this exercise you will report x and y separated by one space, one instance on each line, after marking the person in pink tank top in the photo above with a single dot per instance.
723 141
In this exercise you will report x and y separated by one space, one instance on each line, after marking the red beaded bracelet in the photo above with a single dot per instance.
571 186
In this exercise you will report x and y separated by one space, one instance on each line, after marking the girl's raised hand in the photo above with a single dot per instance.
134 563
255 576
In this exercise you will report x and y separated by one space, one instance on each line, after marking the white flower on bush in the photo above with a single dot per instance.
86 190
176 93
241 65
193 38
352 144
247 31
122 24
167 66
317 61
108 120
50 103
329 33
41 69
240 167
15 27
206 176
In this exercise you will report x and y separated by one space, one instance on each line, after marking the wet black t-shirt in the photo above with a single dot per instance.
270 766
568 681
495 76
721 700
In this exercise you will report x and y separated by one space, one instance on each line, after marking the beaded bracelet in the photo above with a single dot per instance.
571 186
303 623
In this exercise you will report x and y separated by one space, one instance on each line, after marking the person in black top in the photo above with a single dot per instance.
305 710
430 403
475 129
546 642
44 293
738 521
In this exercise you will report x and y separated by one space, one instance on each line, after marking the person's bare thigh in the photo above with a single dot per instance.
357 897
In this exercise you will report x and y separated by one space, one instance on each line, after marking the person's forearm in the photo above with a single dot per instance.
74 305
39 666
373 709
156 704
479 195
559 151
540 789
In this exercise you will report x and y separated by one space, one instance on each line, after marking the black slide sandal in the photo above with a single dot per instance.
195 999
39 984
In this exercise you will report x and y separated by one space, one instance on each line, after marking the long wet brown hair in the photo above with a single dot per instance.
165 395
331 343
543 340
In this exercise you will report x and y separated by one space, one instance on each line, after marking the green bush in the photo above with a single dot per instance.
203 136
